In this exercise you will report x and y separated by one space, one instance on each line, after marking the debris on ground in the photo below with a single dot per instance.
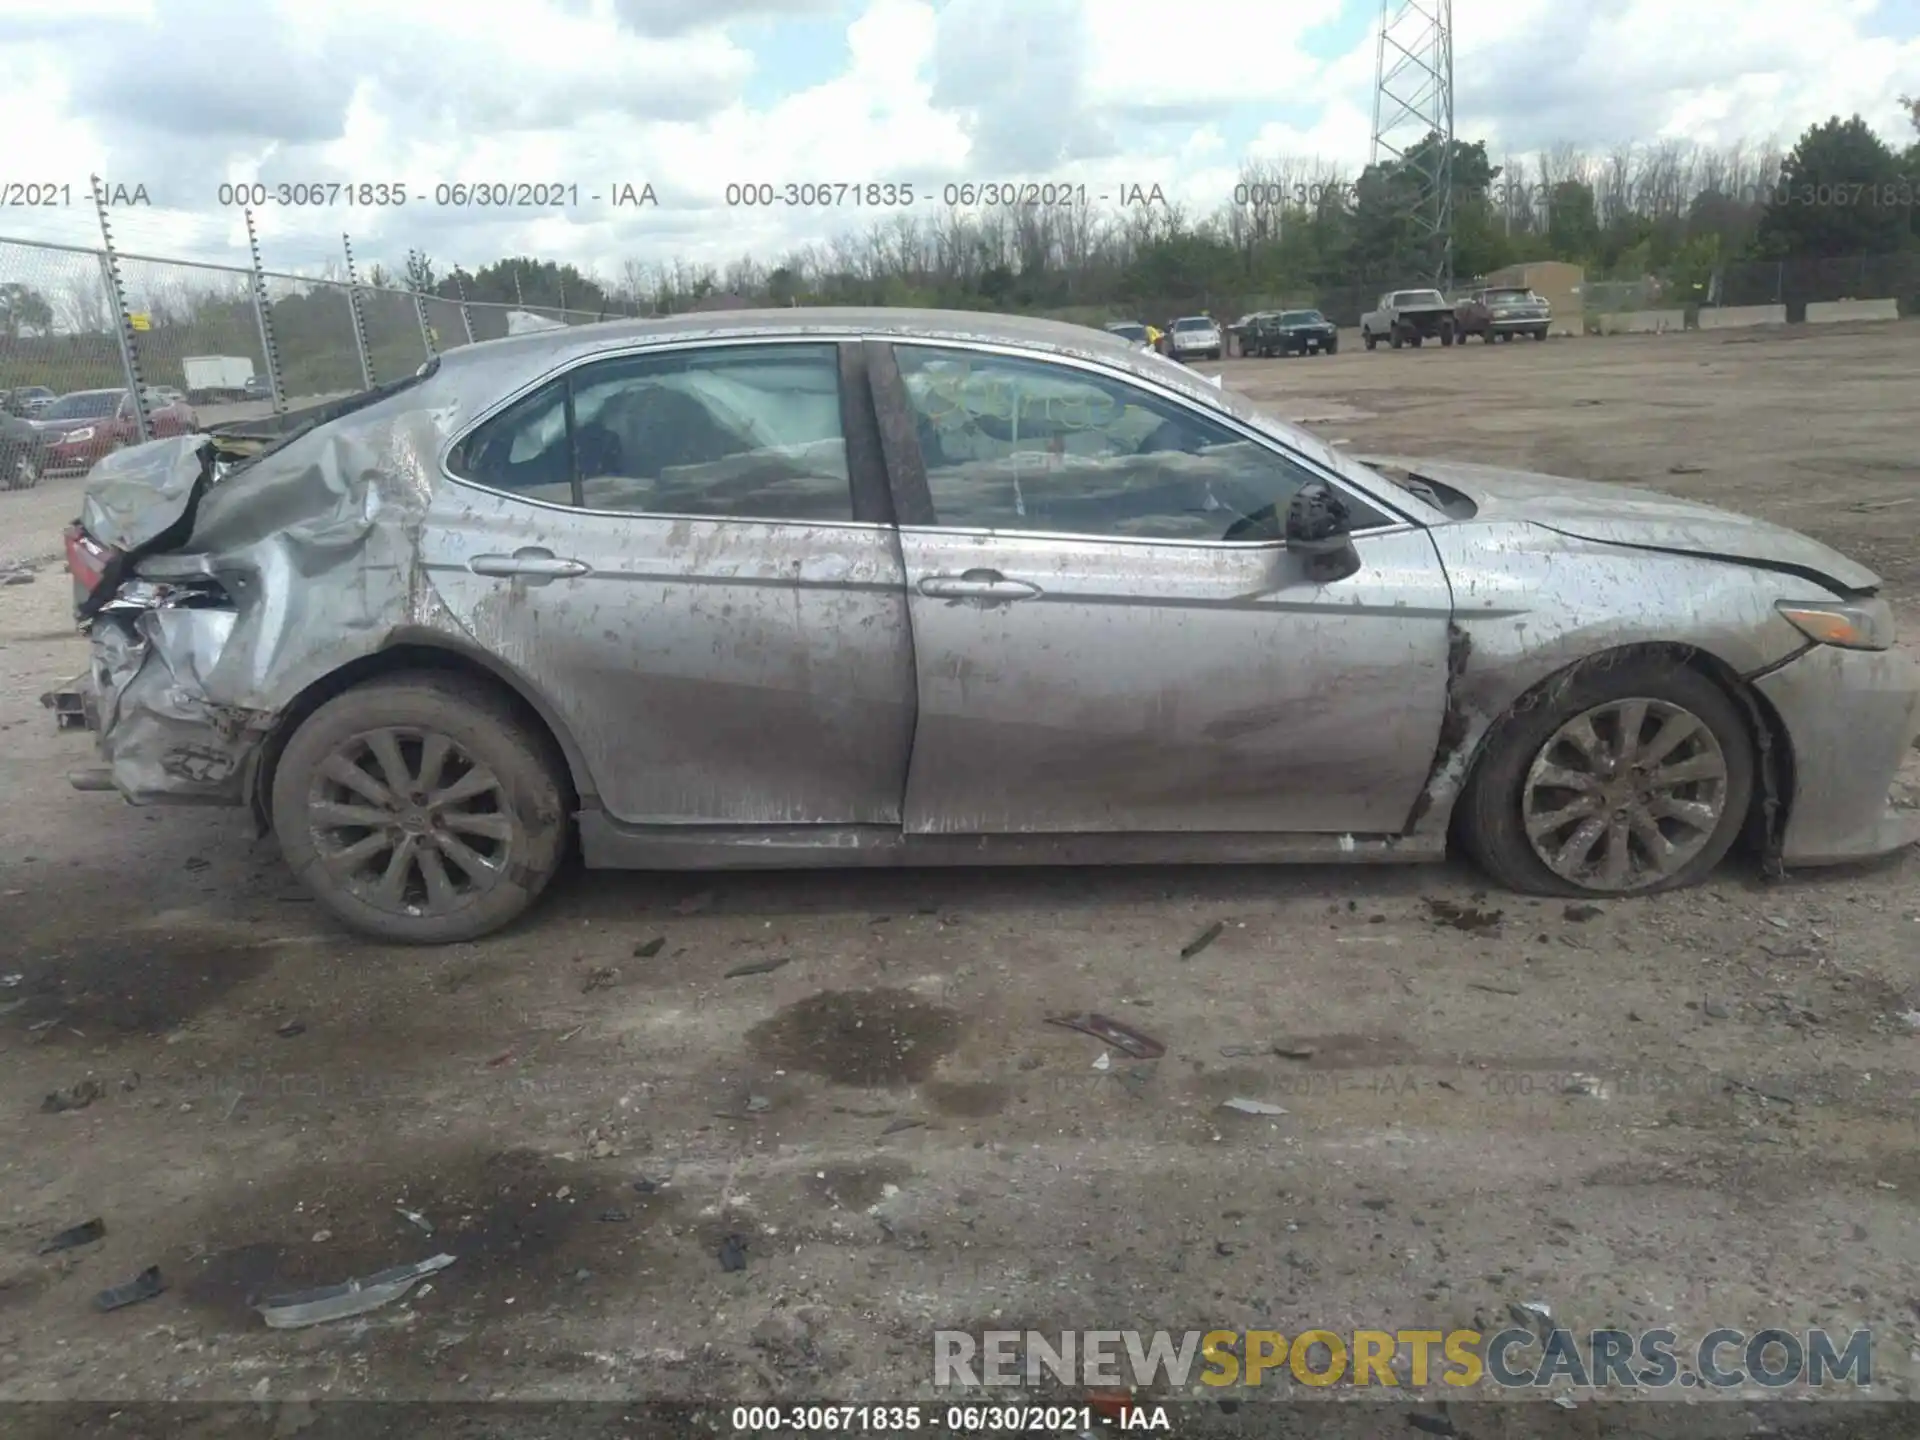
1433 1425
614 1216
84 1233
644 1186
1294 1052
1580 914
694 904
18 577
1716 1009
1201 941
1105 1062
290 1029
74 1097
757 967
414 1218
894 1127
143 1286
1251 1107
1492 989
354 1297
732 1253
601 977
1591 1085
1122 1037
647 949
1683 468
1463 917
758 1104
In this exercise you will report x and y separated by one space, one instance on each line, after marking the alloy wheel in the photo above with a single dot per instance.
1624 795
411 823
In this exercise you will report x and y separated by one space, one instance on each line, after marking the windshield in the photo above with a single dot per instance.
1509 297
86 405
1302 317
1193 322
1418 297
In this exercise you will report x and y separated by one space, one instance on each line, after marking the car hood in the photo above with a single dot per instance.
1629 515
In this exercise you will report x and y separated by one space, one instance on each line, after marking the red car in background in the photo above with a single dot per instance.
80 427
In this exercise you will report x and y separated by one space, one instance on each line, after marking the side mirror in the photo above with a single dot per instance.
1318 523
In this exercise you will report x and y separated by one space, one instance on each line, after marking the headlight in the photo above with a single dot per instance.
1858 625
74 437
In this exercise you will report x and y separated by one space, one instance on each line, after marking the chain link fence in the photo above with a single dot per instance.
56 321
197 328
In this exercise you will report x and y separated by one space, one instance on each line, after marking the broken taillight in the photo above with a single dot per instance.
86 559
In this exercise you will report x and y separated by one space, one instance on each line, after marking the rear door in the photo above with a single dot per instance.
1104 644
688 553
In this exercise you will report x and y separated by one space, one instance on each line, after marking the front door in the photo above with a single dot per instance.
1108 634
683 552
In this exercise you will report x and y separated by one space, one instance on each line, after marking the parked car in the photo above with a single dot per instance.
1502 312
258 387
1293 332
821 643
29 400
23 450
1239 330
86 425
1132 330
1407 317
1195 337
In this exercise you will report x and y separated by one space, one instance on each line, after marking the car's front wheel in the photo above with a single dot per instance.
1617 778
420 809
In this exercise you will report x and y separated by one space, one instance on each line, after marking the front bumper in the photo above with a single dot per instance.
1851 717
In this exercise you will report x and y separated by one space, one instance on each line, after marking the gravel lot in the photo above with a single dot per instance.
1751 1162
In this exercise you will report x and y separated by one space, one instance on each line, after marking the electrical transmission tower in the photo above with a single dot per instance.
1413 122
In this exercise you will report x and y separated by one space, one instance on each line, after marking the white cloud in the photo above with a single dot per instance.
595 92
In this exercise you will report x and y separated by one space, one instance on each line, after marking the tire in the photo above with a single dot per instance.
1368 340
1491 820
1416 339
1446 336
524 809
1539 334
1505 336
1333 348
1396 339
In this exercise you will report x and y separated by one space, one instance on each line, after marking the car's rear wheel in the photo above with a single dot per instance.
1620 778
420 809
1368 339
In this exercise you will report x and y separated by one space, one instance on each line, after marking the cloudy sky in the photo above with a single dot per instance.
182 96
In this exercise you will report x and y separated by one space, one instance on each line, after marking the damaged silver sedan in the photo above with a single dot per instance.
829 588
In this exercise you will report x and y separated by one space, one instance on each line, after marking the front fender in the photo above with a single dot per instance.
1529 603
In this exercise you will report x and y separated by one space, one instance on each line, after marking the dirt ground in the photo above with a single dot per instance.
885 1123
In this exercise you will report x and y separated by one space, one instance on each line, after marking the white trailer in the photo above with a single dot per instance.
215 378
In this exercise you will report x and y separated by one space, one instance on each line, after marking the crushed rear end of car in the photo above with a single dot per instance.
217 575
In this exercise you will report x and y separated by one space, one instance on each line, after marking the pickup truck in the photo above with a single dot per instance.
1292 332
1407 317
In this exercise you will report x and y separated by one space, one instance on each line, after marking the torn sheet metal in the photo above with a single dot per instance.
134 496
300 561
354 1297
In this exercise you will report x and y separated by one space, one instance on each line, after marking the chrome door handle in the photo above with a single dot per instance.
530 563
977 585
